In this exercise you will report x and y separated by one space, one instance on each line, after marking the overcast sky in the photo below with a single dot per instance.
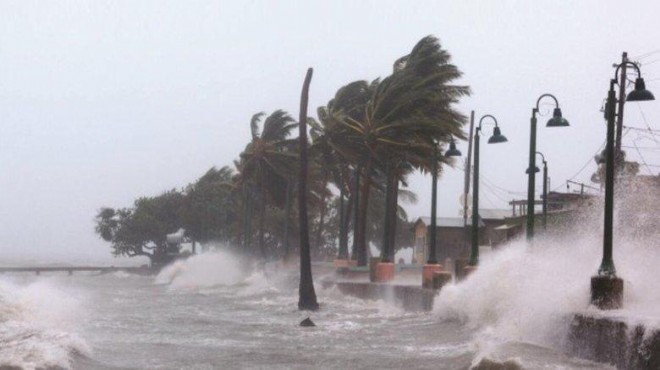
102 102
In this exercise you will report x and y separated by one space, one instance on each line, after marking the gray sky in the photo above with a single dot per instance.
102 102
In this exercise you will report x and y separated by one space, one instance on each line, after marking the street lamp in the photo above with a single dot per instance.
606 287
496 138
545 189
556 121
432 264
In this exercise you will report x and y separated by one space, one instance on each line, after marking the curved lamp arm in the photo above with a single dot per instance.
486 116
616 72
543 96
542 156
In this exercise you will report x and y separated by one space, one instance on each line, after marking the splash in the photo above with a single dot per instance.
37 326
530 293
203 271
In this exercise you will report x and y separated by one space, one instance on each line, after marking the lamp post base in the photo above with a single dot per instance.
341 263
468 269
440 279
427 274
607 292
459 265
384 272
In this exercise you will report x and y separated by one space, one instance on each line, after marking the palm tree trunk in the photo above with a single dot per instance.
287 216
356 203
248 221
394 217
386 253
307 295
362 215
262 216
343 226
319 230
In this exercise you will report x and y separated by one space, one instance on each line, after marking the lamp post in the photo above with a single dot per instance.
545 189
556 121
496 138
432 264
606 287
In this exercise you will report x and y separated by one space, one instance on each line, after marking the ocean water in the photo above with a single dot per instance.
214 312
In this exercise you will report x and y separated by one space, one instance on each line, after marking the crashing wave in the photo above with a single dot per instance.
203 271
36 327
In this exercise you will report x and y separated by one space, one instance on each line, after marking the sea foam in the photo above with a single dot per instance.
203 271
37 326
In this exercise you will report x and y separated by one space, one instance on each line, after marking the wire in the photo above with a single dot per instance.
587 163
491 183
642 129
645 55
651 62
488 187
641 147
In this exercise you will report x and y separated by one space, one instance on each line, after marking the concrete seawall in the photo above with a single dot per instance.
408 297
609 340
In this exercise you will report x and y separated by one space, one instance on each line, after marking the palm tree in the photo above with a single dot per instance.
264 166
404 114
341 149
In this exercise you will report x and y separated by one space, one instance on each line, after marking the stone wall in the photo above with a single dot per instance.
615 342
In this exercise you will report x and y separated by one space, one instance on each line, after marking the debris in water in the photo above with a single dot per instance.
307 323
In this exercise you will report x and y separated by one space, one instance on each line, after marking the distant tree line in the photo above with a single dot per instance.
363 145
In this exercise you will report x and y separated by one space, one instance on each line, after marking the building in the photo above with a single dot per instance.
453 237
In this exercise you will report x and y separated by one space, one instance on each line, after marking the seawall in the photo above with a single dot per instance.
408 297
613 341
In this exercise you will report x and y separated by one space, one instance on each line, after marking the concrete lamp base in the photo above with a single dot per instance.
459 265
440 279
427 274
468 269
384 272
342 263
607 292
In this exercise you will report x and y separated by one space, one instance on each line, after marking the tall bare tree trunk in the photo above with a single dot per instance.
307 295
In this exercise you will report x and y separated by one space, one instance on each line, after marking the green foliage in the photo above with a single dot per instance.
141 230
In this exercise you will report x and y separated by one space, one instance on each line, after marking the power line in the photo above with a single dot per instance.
642 129
641 156
600 148
646 55
641 147
651 62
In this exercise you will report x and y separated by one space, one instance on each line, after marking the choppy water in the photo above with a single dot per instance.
209 313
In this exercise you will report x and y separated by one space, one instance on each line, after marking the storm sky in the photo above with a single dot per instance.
105 101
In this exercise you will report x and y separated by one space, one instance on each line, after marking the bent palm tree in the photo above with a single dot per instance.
406 112
265 164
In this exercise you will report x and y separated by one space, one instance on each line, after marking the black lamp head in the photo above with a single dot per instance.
497 137
536 170
640 93
452 152
557 120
